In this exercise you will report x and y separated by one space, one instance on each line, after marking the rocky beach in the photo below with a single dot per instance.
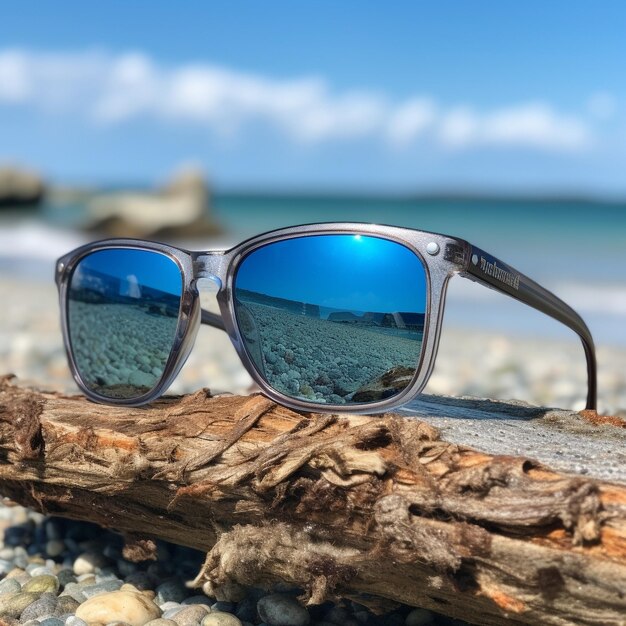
57 572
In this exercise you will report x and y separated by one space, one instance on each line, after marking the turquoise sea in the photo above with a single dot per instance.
576 247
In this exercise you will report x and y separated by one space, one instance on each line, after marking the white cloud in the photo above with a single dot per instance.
410 120
533 125
113 89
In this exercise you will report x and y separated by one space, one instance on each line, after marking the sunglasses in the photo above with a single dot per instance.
340 317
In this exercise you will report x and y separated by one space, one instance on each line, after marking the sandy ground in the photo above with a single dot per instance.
470 362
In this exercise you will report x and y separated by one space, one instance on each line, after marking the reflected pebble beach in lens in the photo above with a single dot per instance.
123 308
333 319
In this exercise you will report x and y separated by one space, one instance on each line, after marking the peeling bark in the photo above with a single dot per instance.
374 508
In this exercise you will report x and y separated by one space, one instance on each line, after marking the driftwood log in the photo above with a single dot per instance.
377 509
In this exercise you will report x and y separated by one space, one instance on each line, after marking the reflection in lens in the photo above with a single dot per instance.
335 319
123 307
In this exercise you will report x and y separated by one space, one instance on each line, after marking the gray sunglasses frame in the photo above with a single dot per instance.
442 256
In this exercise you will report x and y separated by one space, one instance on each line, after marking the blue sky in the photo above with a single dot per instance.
348 272
357 95
140 267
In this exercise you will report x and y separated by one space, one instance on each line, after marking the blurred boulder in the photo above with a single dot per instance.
19 187
181 208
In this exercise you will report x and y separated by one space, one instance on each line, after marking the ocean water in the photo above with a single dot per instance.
576 248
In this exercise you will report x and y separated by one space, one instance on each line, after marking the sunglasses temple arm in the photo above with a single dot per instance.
491 272
212 319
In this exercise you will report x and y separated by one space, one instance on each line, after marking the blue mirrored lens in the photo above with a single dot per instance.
335 319
123 308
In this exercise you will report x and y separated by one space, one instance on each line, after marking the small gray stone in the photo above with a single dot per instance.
72 620
224 607
10 585
103 587
171 591
246 610
7 554
66 604
52 621
65 576
419 617
141 580
170 609
75 591
42 607
161 621
278 609
221 619
190 615
126 568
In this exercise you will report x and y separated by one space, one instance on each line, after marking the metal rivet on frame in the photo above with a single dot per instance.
432 248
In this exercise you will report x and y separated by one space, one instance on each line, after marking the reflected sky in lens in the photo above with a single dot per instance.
135 269
348 272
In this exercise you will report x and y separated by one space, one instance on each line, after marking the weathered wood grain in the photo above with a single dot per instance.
378 508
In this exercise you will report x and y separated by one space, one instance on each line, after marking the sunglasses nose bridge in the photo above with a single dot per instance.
208 266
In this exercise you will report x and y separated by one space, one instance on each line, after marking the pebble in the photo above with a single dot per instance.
140 580
419 617
88 562
66 576
171 591
221 619
246 610
45 583
19 574
128 606
190 615
89 578
66 604
52 621
12 606
107 585
281 610
170 608
9 585
75 591
42 607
